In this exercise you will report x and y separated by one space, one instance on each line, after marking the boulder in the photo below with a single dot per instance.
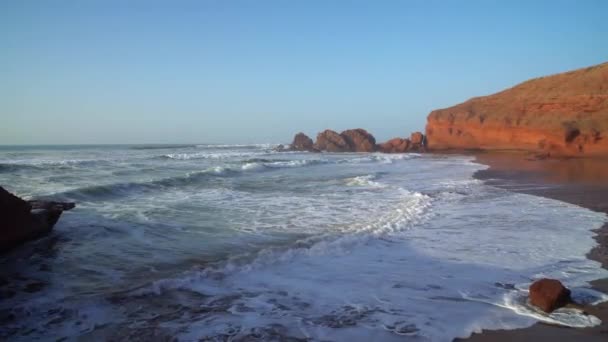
21 220
301 142
359 140
549 294
331 141
395 145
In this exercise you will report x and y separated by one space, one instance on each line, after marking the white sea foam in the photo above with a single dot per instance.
367 180
249 166
570 317
237 146
382 158
381 281
211 155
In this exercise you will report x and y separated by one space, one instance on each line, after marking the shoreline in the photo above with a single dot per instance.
578 181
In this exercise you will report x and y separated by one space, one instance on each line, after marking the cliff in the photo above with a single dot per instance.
564 114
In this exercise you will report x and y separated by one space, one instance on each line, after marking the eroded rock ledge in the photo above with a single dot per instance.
356 140
21 220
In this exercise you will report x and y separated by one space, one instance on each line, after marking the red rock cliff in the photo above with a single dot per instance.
563 114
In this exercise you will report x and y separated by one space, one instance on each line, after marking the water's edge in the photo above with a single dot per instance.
504 171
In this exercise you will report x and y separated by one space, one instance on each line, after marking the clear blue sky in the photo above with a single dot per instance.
260 71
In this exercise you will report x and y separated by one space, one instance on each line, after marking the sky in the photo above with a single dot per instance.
113 72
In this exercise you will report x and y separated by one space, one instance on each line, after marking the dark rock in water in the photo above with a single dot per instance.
359 140
280 148
549 294
21 220
331 141
395 145
34 287
301 142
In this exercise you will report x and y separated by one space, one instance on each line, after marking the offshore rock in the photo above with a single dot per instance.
331 141
395 145
416 138
359 140
301 142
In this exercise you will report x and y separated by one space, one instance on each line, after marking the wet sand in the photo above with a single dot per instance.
583 182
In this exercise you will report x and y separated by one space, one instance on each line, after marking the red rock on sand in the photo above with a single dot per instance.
549 294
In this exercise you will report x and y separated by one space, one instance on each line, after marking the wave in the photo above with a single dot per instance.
44 164
236 146
17 167
207 155
366 181
130 188
412 210
191 178
259 165
161 147
203 146
380 157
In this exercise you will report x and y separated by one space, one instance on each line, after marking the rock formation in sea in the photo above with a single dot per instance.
331 141
549 295
355 140
359 140
416 138
564 114
395 145
301 142
22 220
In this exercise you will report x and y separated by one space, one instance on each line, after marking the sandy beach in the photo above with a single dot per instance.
577 181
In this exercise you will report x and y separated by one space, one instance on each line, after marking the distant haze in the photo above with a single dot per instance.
89 72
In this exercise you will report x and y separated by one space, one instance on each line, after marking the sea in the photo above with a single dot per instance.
243 243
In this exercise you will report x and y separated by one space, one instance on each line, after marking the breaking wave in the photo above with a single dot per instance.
161 147
191 178
366 181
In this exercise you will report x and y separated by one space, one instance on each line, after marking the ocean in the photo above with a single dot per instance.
242 243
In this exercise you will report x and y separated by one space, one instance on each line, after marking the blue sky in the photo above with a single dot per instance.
259 71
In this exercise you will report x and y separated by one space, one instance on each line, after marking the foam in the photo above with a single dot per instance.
364 181
383 280
355 247
379 158
237 146
210 155
569 317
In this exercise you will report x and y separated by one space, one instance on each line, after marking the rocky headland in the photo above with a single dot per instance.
559 115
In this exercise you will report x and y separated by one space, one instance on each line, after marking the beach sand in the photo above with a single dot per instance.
583 182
